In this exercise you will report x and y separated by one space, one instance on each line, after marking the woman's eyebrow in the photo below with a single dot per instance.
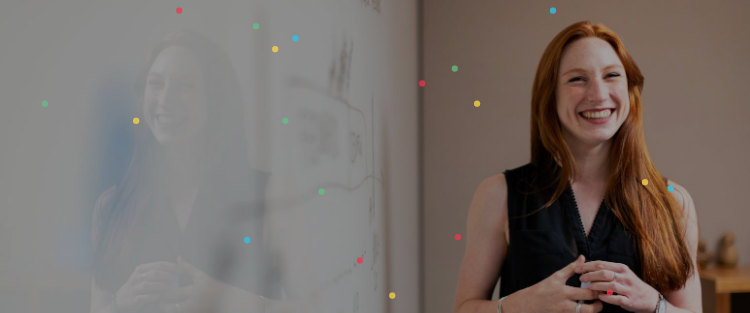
578 69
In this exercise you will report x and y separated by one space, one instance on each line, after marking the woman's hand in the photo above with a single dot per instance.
553 295
201 296
147 284
632 293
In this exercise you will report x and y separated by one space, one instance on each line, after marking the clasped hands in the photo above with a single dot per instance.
632 293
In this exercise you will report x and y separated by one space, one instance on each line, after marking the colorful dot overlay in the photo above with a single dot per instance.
285 120
457 236
136 121
179 10
360 260
421 83
454 68
392 295
476 103
552 10
609 292
670 188
275 49
247 239
644 182
295 38
256 26
321 191
45 103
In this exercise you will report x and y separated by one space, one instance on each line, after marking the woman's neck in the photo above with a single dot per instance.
592 162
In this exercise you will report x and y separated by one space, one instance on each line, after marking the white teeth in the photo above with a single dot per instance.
168 120
597 115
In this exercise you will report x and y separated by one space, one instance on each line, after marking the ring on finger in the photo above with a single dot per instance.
615 280
578 307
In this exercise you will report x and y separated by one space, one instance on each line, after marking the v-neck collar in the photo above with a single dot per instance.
582 239
194 210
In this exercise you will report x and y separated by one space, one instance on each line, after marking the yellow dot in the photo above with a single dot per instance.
136 121
476 103
392 295
275 49
644 182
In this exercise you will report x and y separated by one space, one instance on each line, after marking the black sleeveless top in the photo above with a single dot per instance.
548 240
229 206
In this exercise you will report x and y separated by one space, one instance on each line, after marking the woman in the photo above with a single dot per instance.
581 213
167 234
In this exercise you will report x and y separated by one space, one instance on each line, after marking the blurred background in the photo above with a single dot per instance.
341 109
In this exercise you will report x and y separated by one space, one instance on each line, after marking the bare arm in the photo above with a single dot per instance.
486 247
687 299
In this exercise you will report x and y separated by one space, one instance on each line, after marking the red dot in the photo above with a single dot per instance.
360 260
609 292
179 10
421 83
458 236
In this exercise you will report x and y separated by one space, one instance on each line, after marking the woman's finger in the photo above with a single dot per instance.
603 275
159 266
148 287
575 293
145 299
161 276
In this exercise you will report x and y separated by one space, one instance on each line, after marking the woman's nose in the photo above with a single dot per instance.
597 91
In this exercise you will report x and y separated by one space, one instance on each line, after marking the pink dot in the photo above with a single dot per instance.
360 260
179 10
458 236
609 292
421 83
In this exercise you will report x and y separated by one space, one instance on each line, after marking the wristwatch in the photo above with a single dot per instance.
661 306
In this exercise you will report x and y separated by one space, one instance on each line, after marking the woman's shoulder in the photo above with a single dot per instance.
682 196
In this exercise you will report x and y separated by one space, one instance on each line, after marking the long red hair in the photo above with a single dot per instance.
652 214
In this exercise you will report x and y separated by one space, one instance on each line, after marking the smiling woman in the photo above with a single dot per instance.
581 199
163 235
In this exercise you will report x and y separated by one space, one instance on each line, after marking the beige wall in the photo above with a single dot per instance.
693 55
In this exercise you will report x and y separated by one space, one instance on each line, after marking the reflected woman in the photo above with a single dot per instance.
168 234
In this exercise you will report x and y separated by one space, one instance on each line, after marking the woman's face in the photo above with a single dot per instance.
592 92
174 103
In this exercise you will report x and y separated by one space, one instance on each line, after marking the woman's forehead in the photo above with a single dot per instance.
588 54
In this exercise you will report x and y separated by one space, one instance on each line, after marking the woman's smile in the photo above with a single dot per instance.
597 116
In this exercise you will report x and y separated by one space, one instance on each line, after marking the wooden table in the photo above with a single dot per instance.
718 285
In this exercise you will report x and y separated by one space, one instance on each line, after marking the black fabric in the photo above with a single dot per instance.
229 206
548 240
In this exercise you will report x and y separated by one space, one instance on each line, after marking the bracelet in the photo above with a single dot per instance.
114 303
498 303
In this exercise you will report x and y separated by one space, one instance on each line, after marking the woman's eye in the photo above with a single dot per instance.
574 79
613 75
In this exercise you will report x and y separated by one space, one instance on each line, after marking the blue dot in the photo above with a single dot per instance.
552 10
670 188
295 37
247 239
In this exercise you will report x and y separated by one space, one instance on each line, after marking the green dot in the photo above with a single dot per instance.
321 191
285 120
455 68
256 26
45 103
